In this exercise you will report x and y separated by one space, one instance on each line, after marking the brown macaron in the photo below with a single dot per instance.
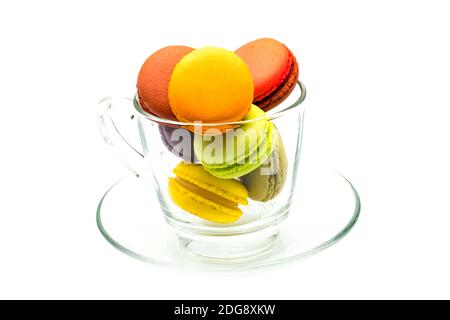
267 182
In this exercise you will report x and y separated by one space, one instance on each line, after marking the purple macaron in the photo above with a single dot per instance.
178 141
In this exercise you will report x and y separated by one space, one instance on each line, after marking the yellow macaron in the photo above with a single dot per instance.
211 85
198 192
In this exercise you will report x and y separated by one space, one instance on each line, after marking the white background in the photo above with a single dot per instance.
378 109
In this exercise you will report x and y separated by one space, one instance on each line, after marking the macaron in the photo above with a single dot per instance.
178 141
268 180
239 151
211 85
153 80
274 69
198 192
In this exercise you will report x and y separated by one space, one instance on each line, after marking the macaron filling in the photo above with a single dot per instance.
200 206
196 175
198 192
205 193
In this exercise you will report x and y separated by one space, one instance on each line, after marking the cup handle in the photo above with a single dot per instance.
130 156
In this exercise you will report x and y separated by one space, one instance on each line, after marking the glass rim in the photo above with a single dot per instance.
270 116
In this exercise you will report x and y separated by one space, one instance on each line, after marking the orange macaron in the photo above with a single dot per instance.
153 80
211 85
274 70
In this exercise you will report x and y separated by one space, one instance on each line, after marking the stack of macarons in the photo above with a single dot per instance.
209 91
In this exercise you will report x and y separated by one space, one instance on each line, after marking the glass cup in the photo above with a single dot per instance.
269 178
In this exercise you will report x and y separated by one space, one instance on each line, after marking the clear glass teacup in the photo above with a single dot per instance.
269 179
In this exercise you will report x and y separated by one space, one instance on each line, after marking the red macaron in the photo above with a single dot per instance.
274 70
153 80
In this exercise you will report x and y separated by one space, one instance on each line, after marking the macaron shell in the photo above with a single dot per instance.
283 91
211 85
153 80
202 207
178 141
230 189
270 63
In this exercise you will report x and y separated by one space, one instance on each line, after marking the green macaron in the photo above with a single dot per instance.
268 180
239 151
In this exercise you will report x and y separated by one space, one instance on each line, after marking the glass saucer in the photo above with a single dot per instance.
325 208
